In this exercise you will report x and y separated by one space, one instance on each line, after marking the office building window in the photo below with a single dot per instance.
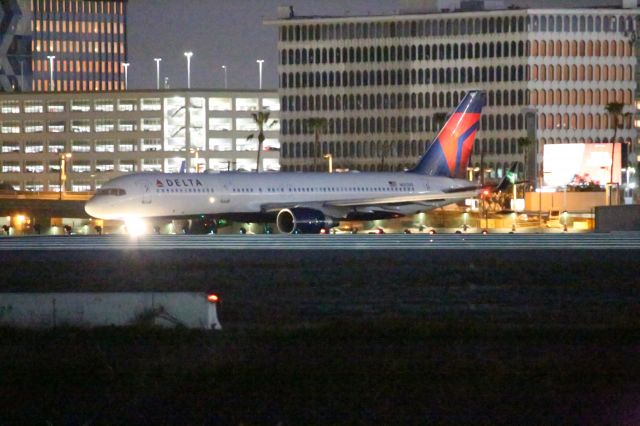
56 107
82 105
33 126
151 125
104 105
80 126
105 125
80 146
33 147
33 107
150 104
7 127
9 107
57 126
220 104
105 146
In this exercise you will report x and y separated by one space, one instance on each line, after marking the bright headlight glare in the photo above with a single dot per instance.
135 226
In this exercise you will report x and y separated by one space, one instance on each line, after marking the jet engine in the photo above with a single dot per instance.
303 220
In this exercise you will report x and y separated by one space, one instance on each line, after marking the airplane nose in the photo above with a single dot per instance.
91 208
88 207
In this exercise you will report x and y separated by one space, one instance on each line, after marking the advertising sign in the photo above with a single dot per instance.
580 163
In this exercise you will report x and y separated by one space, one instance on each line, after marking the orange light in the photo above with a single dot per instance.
323 231
213 298
485 192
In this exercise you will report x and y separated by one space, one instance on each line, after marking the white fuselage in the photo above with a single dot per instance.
150 195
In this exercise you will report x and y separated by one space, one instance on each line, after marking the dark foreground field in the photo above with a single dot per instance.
401 337
338 373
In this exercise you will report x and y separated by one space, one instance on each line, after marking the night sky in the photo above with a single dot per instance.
232 33
219 32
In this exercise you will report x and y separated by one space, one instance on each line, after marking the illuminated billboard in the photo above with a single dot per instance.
566 163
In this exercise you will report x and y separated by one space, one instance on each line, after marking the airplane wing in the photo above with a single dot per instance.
377 201
404 199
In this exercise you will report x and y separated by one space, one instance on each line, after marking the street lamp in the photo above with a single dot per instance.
188 55
51 58
224 68
260 62
64 157
126 74
196 151
157 72
330 158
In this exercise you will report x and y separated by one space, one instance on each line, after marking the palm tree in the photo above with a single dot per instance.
615 111
261 118
438 120
525 144
317 125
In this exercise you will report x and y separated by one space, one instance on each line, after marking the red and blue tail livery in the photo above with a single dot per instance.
448 155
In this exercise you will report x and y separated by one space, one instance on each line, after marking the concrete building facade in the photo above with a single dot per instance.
384 84
85 139
62 45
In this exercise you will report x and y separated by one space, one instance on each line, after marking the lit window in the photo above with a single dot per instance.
33 147
81 106
56 126
80 146
9 107
151 104
151 125
33 107
104 105
10 167
80 126
33 126
103 125
10 147
127 105
127 126
106 146
10 127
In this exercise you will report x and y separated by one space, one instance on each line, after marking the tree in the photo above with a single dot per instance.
261 118
438 120
317 125
615 111
525 144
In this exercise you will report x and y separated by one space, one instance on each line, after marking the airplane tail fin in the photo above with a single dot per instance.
183 167
448 155
508 179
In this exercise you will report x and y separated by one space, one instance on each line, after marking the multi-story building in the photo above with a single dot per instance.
63 45
384 84
98 136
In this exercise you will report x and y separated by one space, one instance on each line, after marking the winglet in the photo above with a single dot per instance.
508 178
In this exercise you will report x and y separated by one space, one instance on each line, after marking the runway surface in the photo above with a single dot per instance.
558 241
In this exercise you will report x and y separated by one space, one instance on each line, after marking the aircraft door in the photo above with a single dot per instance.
145 189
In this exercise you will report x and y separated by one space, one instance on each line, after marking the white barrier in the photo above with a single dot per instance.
45 310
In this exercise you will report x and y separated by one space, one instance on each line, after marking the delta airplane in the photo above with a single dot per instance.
304 202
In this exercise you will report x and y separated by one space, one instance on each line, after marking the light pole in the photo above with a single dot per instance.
260 62
63 172
188 55
51 58
22 75
196 151
224 68
126 74
157 72
330 158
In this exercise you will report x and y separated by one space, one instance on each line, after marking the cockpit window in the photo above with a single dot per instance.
111 191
